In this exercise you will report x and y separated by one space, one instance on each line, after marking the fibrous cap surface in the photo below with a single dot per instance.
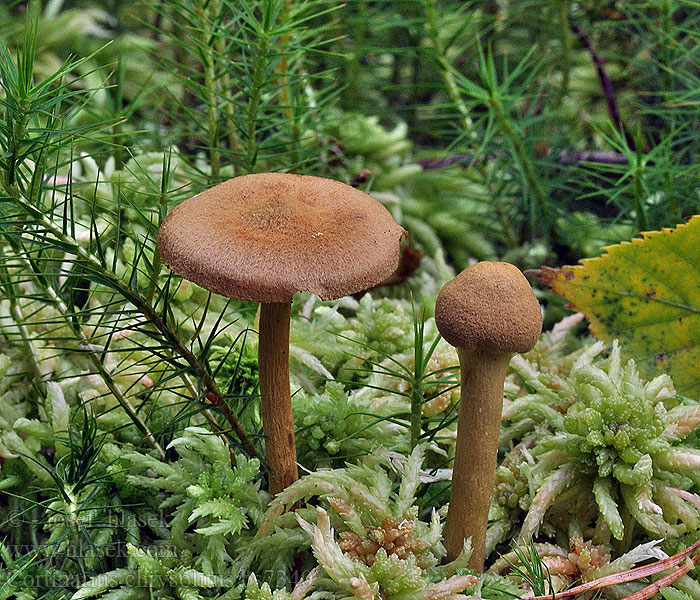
489 306
264 237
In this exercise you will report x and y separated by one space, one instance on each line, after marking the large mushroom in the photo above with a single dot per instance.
488 312
265 237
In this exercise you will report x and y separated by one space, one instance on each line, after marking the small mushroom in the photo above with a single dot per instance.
264 237
488 312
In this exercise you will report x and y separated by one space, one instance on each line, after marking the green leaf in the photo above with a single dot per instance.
646 293
602 490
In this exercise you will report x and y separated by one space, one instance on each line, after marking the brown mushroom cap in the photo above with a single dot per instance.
264 237
489 306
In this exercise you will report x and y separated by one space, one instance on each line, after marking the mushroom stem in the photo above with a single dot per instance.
275 399
481 401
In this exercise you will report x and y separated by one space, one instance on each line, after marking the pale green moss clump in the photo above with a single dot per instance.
597 435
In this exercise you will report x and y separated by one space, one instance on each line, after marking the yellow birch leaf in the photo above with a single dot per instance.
646 293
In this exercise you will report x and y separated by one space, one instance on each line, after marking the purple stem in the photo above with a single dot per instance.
448 161
571 157
605 83
565 157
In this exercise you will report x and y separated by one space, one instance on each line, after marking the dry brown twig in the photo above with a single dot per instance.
634 574
682 558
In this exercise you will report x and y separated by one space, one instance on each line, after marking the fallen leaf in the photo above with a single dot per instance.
646 293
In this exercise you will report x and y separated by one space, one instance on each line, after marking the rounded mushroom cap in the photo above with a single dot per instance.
264 237
489 306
